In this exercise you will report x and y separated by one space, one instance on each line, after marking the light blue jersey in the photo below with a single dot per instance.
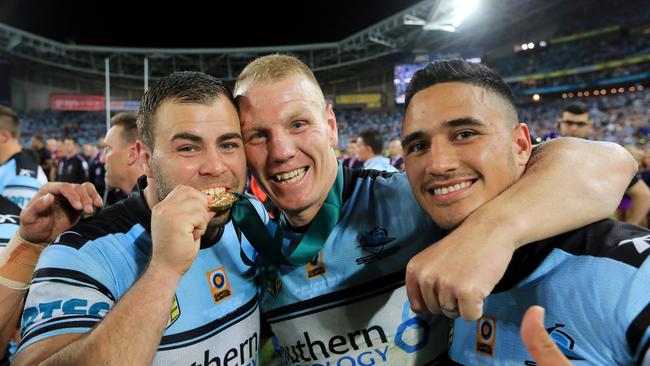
349 306
214 318
595 285
20 178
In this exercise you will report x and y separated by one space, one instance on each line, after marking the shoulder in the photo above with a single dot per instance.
26 165
621 242
118 218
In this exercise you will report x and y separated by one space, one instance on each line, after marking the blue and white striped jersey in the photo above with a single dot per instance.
595 285
20 178
214 318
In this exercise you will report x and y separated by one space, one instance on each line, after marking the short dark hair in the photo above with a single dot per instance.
180 87
13 126
457 70
39 137
128 121
576 108
373 139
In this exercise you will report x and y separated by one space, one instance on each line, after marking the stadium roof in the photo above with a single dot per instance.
376 45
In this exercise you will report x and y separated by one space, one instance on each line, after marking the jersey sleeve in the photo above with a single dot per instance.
635 309
9 221
70 293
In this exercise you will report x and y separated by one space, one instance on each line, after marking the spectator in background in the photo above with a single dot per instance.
352 161
52 146
89 151
20 174
43 154
371 146
72 168
96 170
634 207
120 160
396 158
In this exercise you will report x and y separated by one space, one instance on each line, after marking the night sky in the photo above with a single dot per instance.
197 23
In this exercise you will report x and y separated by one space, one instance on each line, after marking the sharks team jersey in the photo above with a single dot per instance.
214 318
20 178
9 221
349 306
595 285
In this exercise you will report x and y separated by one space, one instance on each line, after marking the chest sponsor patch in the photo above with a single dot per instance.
378 330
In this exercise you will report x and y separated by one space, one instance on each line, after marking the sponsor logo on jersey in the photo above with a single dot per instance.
374 242
26 173
316 267
374 341
174 313
244 355
486 329
47 310
564 342
10 219
640 244
219 284
272 282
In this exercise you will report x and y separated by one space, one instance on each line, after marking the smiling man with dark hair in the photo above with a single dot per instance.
464 147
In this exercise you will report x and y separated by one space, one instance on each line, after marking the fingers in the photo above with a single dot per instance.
448 304
93 195
84 198
537 340
413 289
36 207
188 203
435 292
470 303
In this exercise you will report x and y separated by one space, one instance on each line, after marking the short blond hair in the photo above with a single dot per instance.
271 68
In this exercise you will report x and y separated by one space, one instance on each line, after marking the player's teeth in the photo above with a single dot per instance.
450 189
290 177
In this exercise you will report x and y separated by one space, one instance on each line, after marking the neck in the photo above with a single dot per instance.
8 150
306 216
150 194
132 180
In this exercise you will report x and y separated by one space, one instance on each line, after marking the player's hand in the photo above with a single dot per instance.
453 276
537 341
55 208
177 223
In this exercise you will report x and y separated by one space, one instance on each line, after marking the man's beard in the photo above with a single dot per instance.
164 187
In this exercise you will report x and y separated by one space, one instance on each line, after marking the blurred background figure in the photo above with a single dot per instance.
20 174
575 121
352 156
371 147
396 158
72 168
43 154
121 162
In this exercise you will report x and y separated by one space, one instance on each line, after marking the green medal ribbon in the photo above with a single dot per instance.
245 217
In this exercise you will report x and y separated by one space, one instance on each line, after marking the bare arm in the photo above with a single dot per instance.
54 208
640 195
131 331
128 335
568 183
10 308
